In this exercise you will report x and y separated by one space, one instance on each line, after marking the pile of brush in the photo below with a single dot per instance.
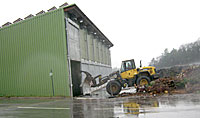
162 85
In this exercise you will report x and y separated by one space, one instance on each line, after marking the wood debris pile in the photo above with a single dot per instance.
162 85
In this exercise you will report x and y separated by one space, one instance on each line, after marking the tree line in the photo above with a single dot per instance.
186 54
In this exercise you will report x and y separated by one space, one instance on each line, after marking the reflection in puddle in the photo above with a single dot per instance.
184 106
131 108
135 107
140 107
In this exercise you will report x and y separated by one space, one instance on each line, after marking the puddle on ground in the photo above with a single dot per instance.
184 106
172 106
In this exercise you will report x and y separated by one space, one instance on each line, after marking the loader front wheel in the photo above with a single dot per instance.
113 87
143 80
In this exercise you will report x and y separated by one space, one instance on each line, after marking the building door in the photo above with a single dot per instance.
76 77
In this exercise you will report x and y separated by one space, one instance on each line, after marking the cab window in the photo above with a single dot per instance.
127 65
122 67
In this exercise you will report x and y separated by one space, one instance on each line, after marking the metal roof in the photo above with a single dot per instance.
78 15
81 17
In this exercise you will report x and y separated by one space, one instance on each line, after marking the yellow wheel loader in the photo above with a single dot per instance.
131 76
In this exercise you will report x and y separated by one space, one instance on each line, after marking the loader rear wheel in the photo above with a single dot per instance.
143 80
113 87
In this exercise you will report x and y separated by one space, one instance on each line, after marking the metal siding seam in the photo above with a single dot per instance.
43 46
53 47
99 52
18 62
82 46
91 48
94 49
81 41
37 51
38 43
41 79
109 58
46 58
89 45
62 22
7 58
45 23
2 70
58 67
46 75
56 46
10 58
102 53
30 41
13 68
86 45
93 56
23 63
106 56
14 53
1 58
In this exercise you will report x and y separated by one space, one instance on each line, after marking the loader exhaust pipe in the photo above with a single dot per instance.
140 63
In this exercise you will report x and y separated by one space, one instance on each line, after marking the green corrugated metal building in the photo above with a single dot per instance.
43 55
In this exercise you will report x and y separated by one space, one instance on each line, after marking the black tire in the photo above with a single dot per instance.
141 78
115 86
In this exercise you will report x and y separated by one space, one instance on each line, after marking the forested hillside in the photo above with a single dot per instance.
186 54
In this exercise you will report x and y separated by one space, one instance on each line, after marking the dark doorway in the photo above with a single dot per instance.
76 77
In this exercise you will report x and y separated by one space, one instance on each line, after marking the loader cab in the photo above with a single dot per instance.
127 65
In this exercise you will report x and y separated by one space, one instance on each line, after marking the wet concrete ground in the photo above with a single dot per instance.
173 106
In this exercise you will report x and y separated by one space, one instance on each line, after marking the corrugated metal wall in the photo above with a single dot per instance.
94 50
95 55
74 42
29 50
83 44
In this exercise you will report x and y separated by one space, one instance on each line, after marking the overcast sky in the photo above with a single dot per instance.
139 29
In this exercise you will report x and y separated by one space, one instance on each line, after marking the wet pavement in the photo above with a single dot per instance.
168 106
